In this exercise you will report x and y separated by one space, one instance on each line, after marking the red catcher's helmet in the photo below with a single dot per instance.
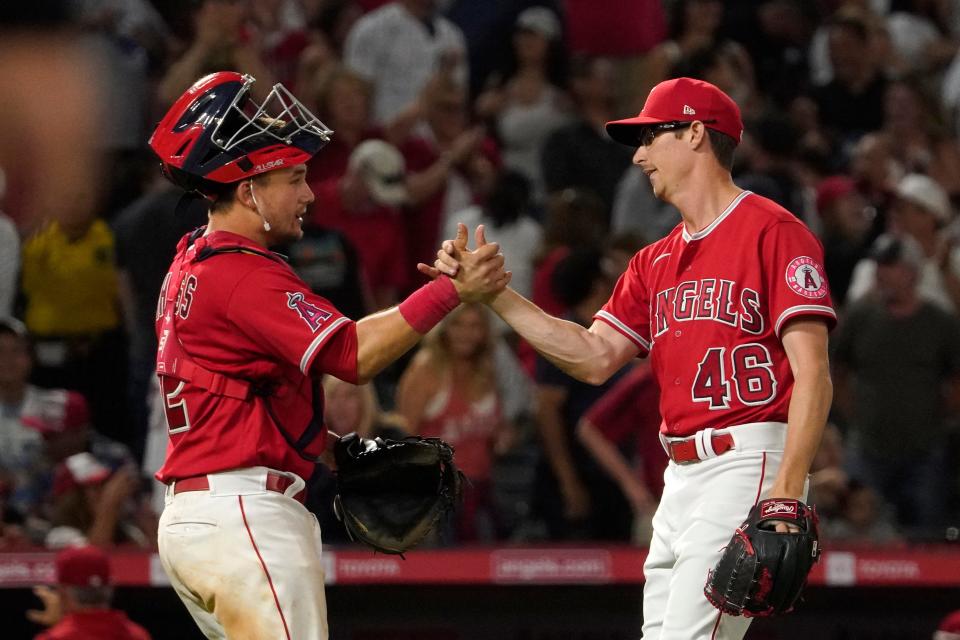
215 133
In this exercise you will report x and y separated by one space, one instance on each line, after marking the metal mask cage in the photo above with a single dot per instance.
280 116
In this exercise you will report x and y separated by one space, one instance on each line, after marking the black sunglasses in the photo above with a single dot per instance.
648 134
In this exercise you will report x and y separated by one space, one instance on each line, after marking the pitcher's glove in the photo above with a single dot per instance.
762 572
391 493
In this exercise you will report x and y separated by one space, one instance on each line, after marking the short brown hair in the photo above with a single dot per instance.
723 147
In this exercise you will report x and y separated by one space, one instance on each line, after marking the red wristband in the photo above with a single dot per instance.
429 304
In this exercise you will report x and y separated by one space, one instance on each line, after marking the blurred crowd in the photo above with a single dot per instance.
448 111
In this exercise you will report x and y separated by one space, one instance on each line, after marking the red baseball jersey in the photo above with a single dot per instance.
709 307
95 624
249 318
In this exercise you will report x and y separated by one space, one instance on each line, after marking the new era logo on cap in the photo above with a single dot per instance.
682 100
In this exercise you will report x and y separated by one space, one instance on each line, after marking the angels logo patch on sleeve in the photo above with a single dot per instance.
310 313
805 277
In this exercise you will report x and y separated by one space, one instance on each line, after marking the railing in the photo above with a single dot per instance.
926 566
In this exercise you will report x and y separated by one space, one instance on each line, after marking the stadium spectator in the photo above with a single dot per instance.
766 163
627 419
220 39
92 503
526 102
921 210
364 205
575 220
581 154
924 144
279 27
450 164
862 519
146 233
77 607
851 103
62 418
342 99
20 446
399 47
69 280
450 391
625 32
876 169
506 218
697 48
845 220
828 477
329 263
949 627
348 408
635 208
728 66
891 387
573 496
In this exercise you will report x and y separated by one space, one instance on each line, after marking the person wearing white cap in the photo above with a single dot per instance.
524 98
364 205
922 211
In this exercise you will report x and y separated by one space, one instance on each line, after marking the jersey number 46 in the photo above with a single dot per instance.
749 366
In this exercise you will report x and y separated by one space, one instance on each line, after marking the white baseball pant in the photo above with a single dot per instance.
245 560
703 503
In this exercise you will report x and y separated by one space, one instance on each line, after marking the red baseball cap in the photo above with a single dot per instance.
56 411
681 100
832 189
83 567
79 470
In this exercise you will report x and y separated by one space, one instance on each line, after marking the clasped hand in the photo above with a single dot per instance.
477 274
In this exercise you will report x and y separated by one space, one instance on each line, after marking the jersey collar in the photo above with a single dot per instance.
687 236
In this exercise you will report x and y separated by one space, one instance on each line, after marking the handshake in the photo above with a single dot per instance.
478 274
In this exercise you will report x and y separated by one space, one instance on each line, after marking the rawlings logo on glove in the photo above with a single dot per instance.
762 572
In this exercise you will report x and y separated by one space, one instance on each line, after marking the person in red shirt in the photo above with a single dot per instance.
364 205
78 608
243 345
733 308
449 391
628 412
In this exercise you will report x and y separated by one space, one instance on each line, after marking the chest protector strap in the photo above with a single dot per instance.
173 360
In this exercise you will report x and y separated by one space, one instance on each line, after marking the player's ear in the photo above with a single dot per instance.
244 195
698 135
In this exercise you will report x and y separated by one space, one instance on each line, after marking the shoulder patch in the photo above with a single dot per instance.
310 313
805 277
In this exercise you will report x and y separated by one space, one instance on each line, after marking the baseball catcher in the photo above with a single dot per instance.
391 493
762 571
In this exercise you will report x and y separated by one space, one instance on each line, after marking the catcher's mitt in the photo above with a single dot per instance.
762 572
390 493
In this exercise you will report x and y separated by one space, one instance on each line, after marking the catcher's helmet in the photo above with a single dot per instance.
215 133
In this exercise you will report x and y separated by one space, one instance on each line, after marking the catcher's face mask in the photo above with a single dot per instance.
217 132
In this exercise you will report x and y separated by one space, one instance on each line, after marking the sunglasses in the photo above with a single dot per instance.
649 134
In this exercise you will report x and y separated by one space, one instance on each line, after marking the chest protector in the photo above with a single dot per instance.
173 360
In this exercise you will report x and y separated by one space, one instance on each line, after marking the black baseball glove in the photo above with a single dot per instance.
391 493
762 572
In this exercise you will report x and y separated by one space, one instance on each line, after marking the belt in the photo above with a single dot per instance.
686 451
275 482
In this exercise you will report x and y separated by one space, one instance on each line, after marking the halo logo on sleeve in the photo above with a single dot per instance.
310 313
805 277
